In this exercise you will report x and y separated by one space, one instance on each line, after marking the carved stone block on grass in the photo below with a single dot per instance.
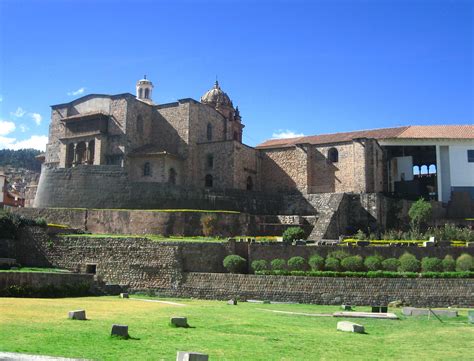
232 302
350 327
346 307
191 356
470 316
77 315
179 322
120 331
124 295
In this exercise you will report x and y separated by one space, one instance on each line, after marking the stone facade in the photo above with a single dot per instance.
195 145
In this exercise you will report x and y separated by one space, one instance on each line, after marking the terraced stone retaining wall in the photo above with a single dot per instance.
418 292
39 280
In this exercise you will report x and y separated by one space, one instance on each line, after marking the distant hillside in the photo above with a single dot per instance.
23 158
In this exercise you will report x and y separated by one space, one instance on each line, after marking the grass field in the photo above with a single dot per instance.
243 332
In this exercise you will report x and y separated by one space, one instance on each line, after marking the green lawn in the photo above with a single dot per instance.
243 332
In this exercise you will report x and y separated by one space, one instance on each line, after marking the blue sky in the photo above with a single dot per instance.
292 67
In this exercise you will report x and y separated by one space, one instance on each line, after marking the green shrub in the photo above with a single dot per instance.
296 263
340 255
449 232
370 274
360 235
316 262
332 264
464 263
431 264
353 263
391 264
41 222
293 233
373 263
419 213
235 264
408 263
209 225
278 264
448 263
259 265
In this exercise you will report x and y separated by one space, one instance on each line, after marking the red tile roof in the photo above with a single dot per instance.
409 132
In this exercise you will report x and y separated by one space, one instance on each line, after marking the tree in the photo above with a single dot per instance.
419 213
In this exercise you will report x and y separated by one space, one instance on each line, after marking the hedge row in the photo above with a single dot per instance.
340 261
369 274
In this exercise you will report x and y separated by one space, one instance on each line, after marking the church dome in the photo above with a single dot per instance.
216 96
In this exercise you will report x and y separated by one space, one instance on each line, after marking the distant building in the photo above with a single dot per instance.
9 197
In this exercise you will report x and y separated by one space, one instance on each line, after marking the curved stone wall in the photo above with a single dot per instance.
110 187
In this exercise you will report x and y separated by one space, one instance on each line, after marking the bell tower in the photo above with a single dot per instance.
144 89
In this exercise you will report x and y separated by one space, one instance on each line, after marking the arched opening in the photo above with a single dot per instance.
209 131
333 155
147 93
249 183
172 176
140 93
81 153
70 155
210 161
416 170
236 136
147 169
208 182
91 152
432 169
424 170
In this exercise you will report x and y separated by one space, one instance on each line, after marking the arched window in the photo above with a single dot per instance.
172 176
208 181
424 170
209 131
249 183
147 169
140 93
416 170
333 155
210 161
147 93
139 124
432 169
81 153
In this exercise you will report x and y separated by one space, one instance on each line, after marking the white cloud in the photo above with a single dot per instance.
19 112
285 133
36 117
35 142
6 127
23 128
77 92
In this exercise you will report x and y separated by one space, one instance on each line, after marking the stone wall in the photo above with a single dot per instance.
171 268
284 169
39 280
418 292
96 186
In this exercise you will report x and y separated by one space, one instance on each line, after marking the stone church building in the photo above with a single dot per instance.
125 151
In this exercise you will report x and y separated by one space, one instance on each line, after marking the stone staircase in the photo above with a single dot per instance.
326 226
